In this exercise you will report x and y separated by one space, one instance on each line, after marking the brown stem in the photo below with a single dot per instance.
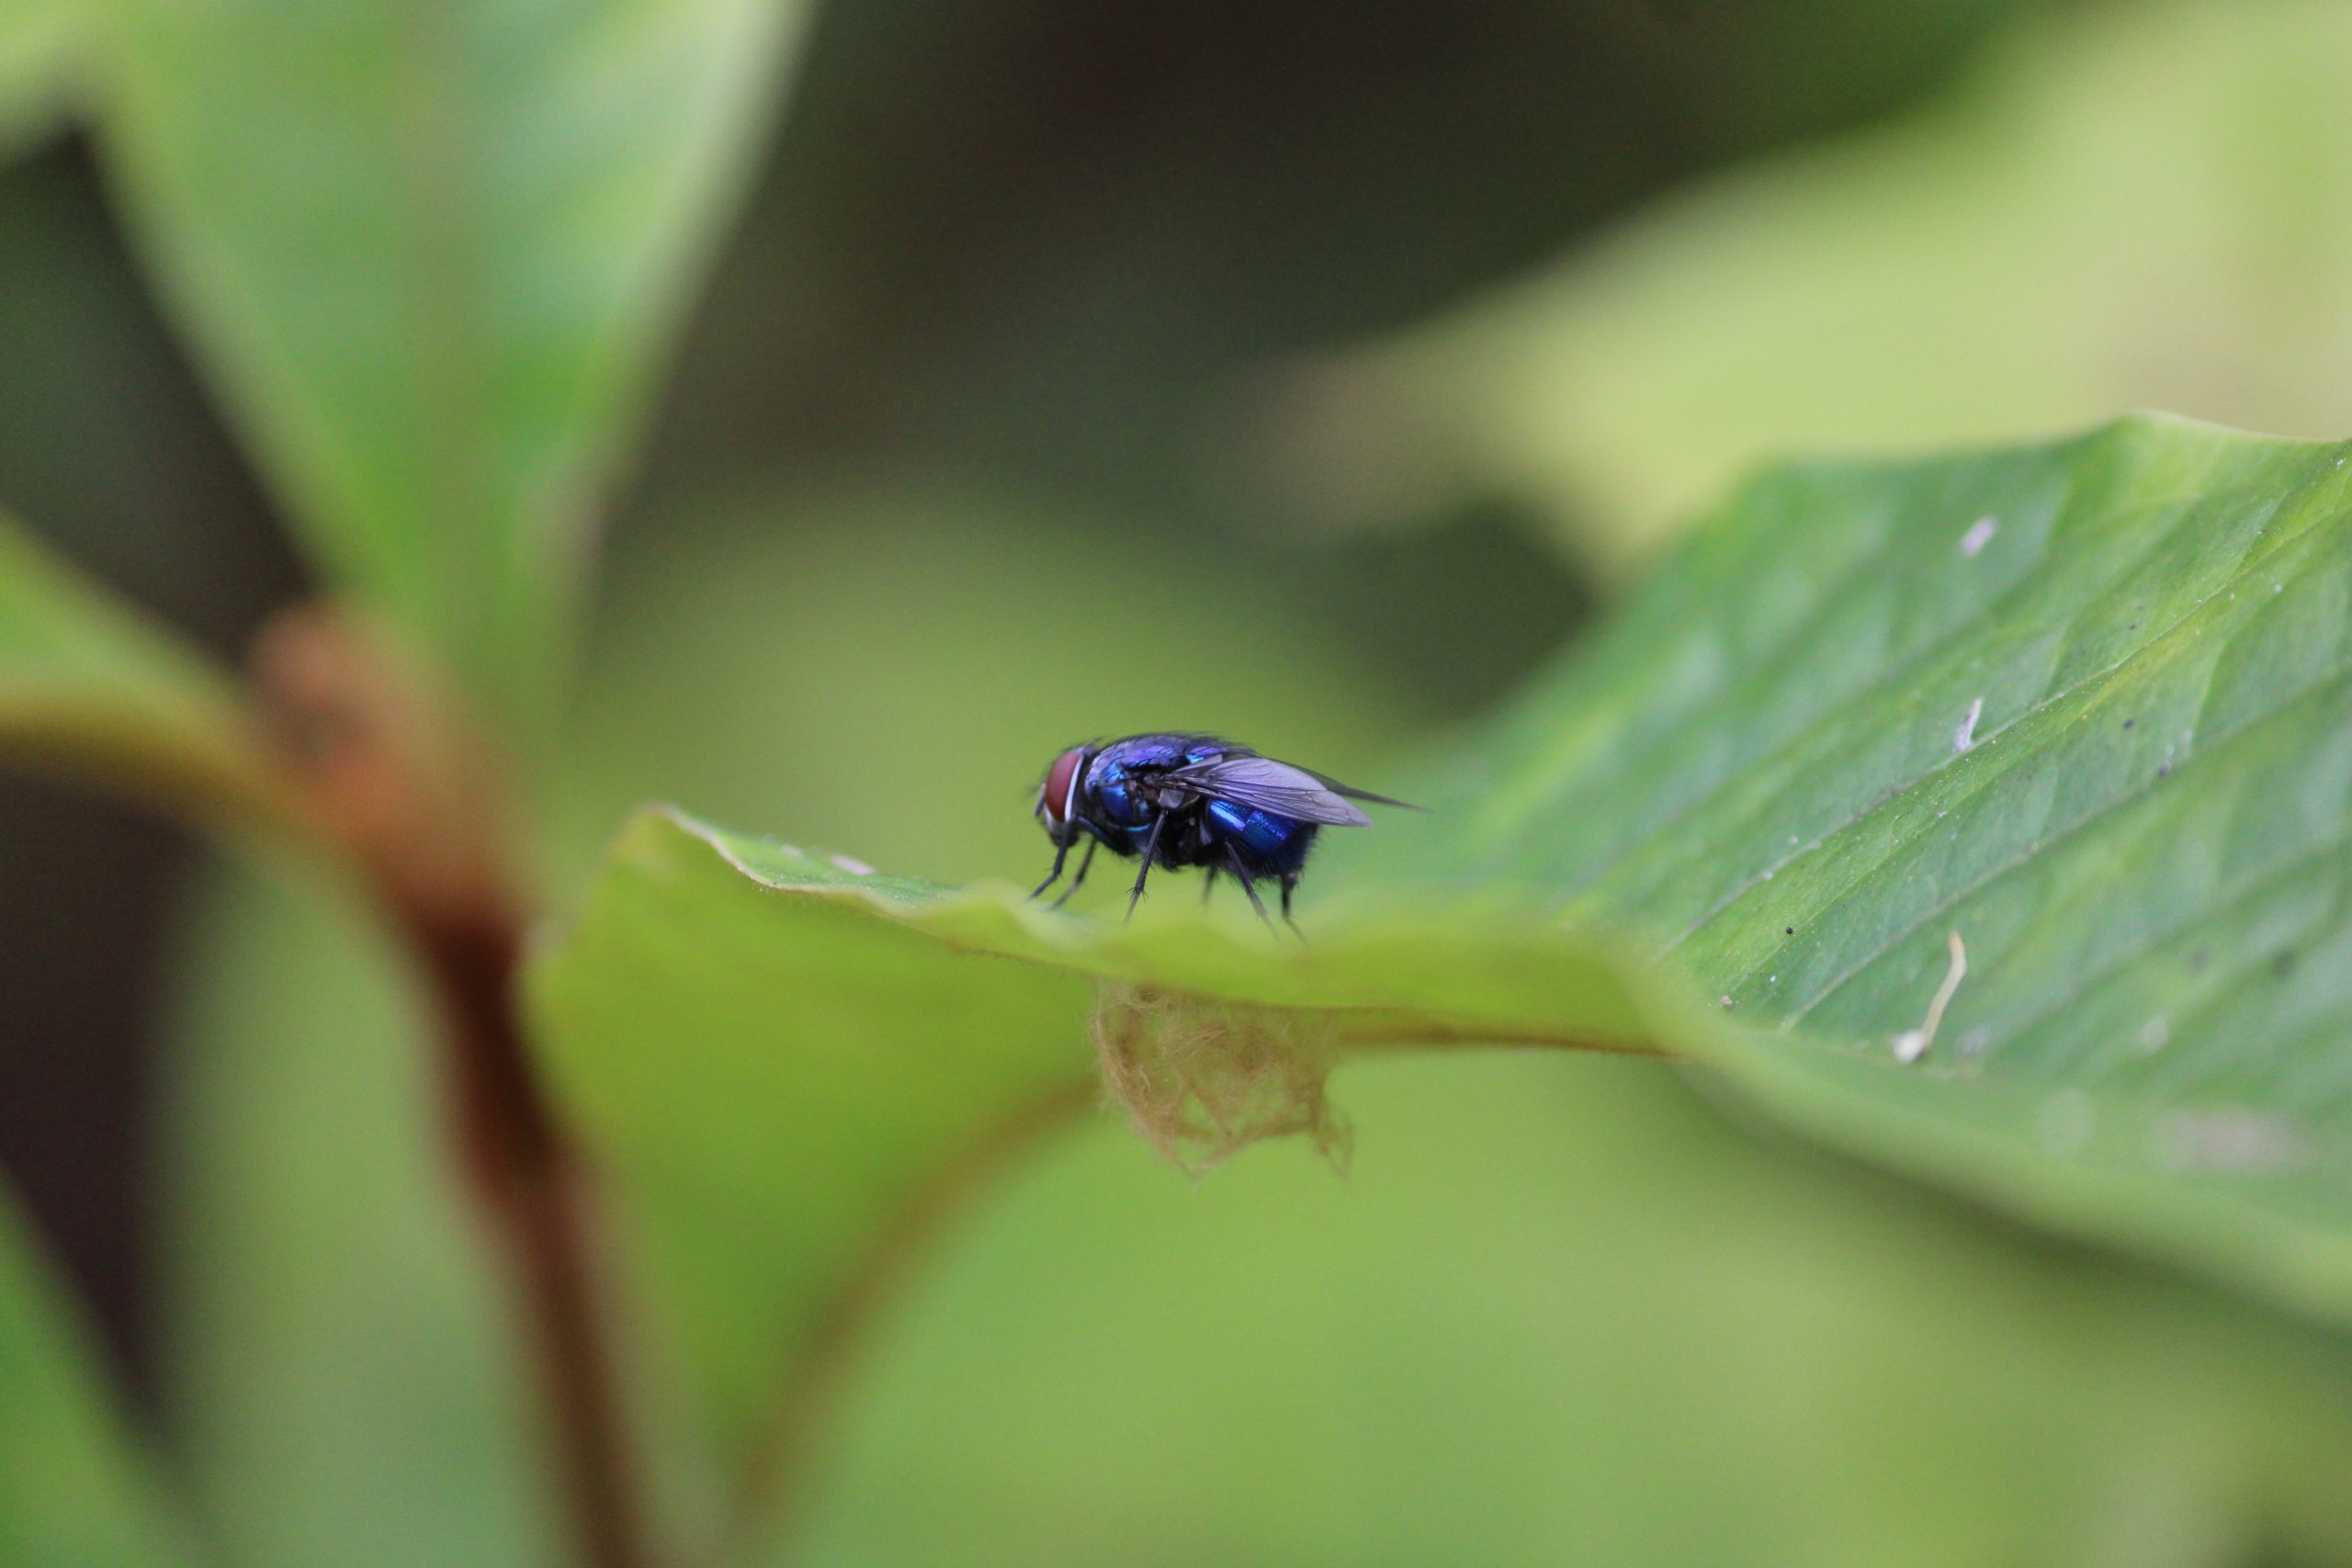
529 1186
412 797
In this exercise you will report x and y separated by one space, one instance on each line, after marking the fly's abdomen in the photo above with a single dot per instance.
1269 845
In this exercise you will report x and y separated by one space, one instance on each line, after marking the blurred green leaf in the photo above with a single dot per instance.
72 1490
2083 704
1561 1310
898 1073
2142 207
338 1361
811 624
88 685
37 42
433 254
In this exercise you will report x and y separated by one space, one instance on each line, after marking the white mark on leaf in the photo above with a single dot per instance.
2227 1138
1965 736
2154 1033
1979 534
1912 1044
855 867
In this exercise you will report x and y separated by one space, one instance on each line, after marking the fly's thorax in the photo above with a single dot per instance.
1120 804
1107 796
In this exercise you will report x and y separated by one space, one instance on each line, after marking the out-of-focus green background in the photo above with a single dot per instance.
1307 373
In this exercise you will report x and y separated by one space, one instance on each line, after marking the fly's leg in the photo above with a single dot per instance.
1078 877
1241 874
1150 848
1061 853
1290 885
1208 884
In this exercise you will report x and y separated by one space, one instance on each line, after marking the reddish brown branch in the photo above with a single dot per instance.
413 797
530 1188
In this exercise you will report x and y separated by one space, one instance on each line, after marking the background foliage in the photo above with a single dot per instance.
1067 371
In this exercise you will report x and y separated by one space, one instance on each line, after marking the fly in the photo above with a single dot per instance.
1179 800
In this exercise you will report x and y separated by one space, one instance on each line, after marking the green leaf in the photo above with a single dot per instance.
1561 1310
88 685
1247 1360
2086 707
37 45
2134 206
337 1342
433 253
897 1073
72 1486
1749 791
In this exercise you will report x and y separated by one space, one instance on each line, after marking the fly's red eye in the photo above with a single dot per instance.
1060 781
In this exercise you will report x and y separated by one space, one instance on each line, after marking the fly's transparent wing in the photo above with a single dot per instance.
1335 787
1273 786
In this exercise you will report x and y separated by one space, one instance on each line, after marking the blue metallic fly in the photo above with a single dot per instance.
1179 800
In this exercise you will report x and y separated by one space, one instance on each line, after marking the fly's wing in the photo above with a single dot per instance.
1335 787
1275 786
